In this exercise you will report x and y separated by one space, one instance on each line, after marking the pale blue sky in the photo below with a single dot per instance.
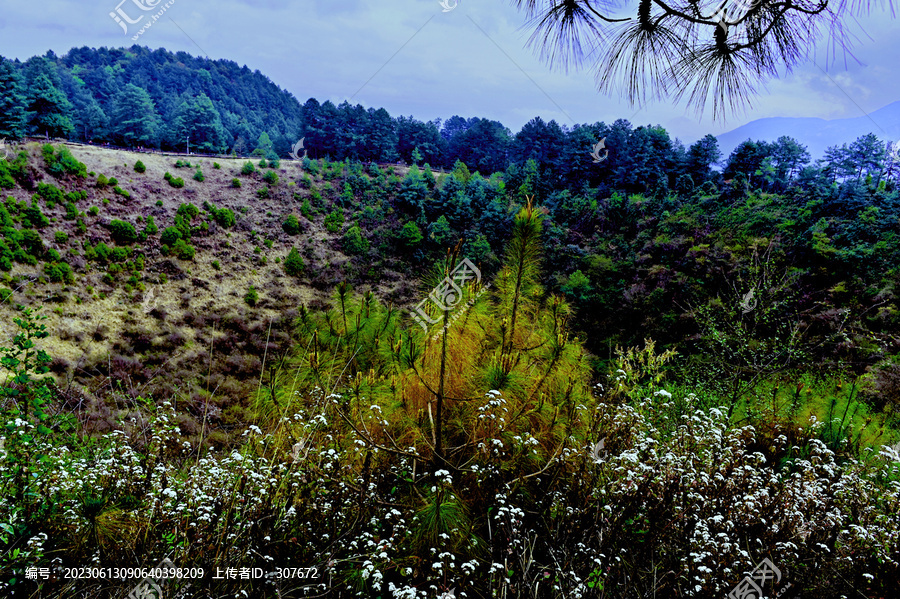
411 58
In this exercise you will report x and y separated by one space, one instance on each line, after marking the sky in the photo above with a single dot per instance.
413 58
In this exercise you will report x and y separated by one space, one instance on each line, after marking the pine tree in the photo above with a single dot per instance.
12 102
134 119
48 109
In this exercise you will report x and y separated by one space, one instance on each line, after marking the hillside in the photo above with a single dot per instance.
173 323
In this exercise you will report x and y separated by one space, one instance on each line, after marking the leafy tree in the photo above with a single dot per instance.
334 221
701 157
410 236
196 121
169 236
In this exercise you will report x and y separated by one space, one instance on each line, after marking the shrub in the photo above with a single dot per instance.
170 235
216 165
248 168
167 176
271 177
59 272
150 228
235 182
293 263
251 297
176 182
119 191
60 237
262 193
216 265
291 225
71 211
113 181
188 211
34 217
183 251
93 210
51 194
198 176
139 167
62 163
334 221
354 243
123 232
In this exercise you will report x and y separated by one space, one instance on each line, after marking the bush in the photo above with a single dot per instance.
198 176
293 263
119 191
235 182
216 165
216 265
113 181
59 272
248 168
150 228
139 167
51 194
169 236
291 225
34 217
62 163
93 211
251 297
262 193
71 211
334 221
271 177
176 182
183 251
123 232
60 237
354 243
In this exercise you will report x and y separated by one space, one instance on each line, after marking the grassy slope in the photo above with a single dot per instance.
182 317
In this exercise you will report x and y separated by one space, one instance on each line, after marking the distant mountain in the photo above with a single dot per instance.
817 134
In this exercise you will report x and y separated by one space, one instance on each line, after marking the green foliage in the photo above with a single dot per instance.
59 272
251 297
183 251
71 211
216 266
61 237
150 227
122 192
123 232
198 176
291 225
176 182
248 168
354 243
263 193
139 167
271 177
410 236
334 221
34 217
169 236
293 263
62 163
51 194
236 183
